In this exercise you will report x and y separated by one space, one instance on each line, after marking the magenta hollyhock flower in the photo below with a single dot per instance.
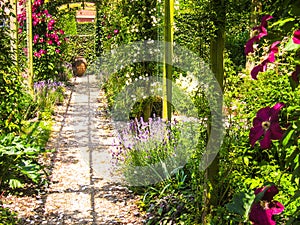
296 37
296 74
35 38
266 126
109 36
37 54
262 212
116 31
61 31
50 42
35 22
42 51
57 50
25 50
21 2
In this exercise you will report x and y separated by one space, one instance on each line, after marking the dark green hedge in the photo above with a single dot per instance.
86 28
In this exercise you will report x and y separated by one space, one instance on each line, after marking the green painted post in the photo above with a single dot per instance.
168 55
14 31
30 45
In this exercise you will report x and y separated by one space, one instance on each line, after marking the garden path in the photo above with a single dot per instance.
83 187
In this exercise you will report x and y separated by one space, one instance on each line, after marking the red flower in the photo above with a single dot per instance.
296 38
266 125
262 212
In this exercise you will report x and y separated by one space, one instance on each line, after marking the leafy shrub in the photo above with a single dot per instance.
7 217
48 41
80 46
19 162
68 23
87 28
15 102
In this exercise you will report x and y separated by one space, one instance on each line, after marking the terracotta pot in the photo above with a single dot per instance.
79 66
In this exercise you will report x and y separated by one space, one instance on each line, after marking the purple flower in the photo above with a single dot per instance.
264 20
296 37
262 31
259 68
249 45
262 212
296 73
270 59
266 125
273 50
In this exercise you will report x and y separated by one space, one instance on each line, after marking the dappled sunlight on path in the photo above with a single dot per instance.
84 188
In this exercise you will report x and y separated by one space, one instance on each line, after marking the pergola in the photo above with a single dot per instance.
168 39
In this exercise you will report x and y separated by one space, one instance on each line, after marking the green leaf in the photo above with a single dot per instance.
241 204
282 22
291 46
160 211
15 183
287 137
246 161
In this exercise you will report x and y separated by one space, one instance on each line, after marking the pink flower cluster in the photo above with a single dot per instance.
43 36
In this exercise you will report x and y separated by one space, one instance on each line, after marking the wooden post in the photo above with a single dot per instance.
14 30
30 45
217 46
168 55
